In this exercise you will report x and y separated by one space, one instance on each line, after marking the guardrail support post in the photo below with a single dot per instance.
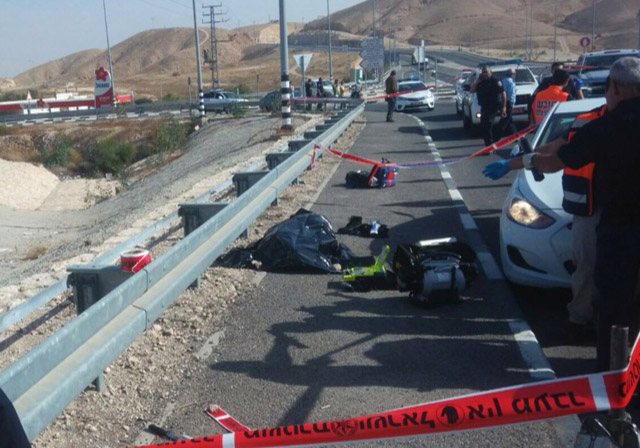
245 180
194 215
93 282
296 145
276 158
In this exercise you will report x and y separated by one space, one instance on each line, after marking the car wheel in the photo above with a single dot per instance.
458 108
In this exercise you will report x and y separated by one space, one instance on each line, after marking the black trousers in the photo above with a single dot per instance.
11 432
486 123
391 105
506 123
616 277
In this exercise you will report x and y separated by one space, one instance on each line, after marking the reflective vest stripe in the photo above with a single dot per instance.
544 101
577 185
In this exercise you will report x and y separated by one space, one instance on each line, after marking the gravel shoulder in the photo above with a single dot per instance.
149 382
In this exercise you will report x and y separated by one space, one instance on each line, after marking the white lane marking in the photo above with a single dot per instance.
490 266
467 222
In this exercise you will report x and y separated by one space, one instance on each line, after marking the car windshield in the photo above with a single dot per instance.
523 76
603 62
557 127
230 95
411 86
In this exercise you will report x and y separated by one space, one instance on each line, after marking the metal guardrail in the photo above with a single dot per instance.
44 381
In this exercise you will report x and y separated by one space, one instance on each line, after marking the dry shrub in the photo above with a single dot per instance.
35 252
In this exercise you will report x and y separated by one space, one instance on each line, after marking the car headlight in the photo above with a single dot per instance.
522 212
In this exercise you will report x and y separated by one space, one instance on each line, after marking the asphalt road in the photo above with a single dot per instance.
544 310
304 348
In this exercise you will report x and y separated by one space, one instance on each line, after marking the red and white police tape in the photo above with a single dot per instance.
500 143
511 405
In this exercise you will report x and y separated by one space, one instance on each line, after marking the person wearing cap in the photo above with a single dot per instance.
391 87
611 143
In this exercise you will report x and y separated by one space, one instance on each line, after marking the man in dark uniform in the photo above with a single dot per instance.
11 433
492 100
391 88
611 142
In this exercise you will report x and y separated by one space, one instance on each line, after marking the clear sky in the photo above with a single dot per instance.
33 32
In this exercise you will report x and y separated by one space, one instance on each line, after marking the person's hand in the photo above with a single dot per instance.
503 112
495 170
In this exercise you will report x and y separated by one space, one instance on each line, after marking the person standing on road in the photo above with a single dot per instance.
572 87
308 92
611 143
343 94
336 90
509 84
544 100
492 100
320 93
391 88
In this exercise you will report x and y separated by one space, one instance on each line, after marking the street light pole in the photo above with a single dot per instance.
593 25
555 30
284 68
200 93
373 23
113 84
330 58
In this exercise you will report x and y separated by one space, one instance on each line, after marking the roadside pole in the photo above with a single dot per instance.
200 92
284 67
303 90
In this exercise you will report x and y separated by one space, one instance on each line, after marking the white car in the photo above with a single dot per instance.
461 78
418 96
535 232
526 84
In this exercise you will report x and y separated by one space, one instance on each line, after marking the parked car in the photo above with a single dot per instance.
593 69
271 101
220 100
419 96
461 78
326 86
526 83
535 231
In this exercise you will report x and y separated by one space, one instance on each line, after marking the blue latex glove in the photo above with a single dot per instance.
495 170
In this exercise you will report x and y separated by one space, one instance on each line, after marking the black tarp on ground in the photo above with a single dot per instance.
304 241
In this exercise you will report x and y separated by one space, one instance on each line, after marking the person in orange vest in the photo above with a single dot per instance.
545 99
610 142
578 199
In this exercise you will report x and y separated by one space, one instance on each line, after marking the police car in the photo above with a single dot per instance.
535 231
526 84
418 95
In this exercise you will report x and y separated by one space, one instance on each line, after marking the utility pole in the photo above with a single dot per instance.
197 37
638 29
285 91
593 25
555 30
113 83
210 19
330 58
373 23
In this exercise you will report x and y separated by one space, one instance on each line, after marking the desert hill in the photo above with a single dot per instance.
158 61
487 23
